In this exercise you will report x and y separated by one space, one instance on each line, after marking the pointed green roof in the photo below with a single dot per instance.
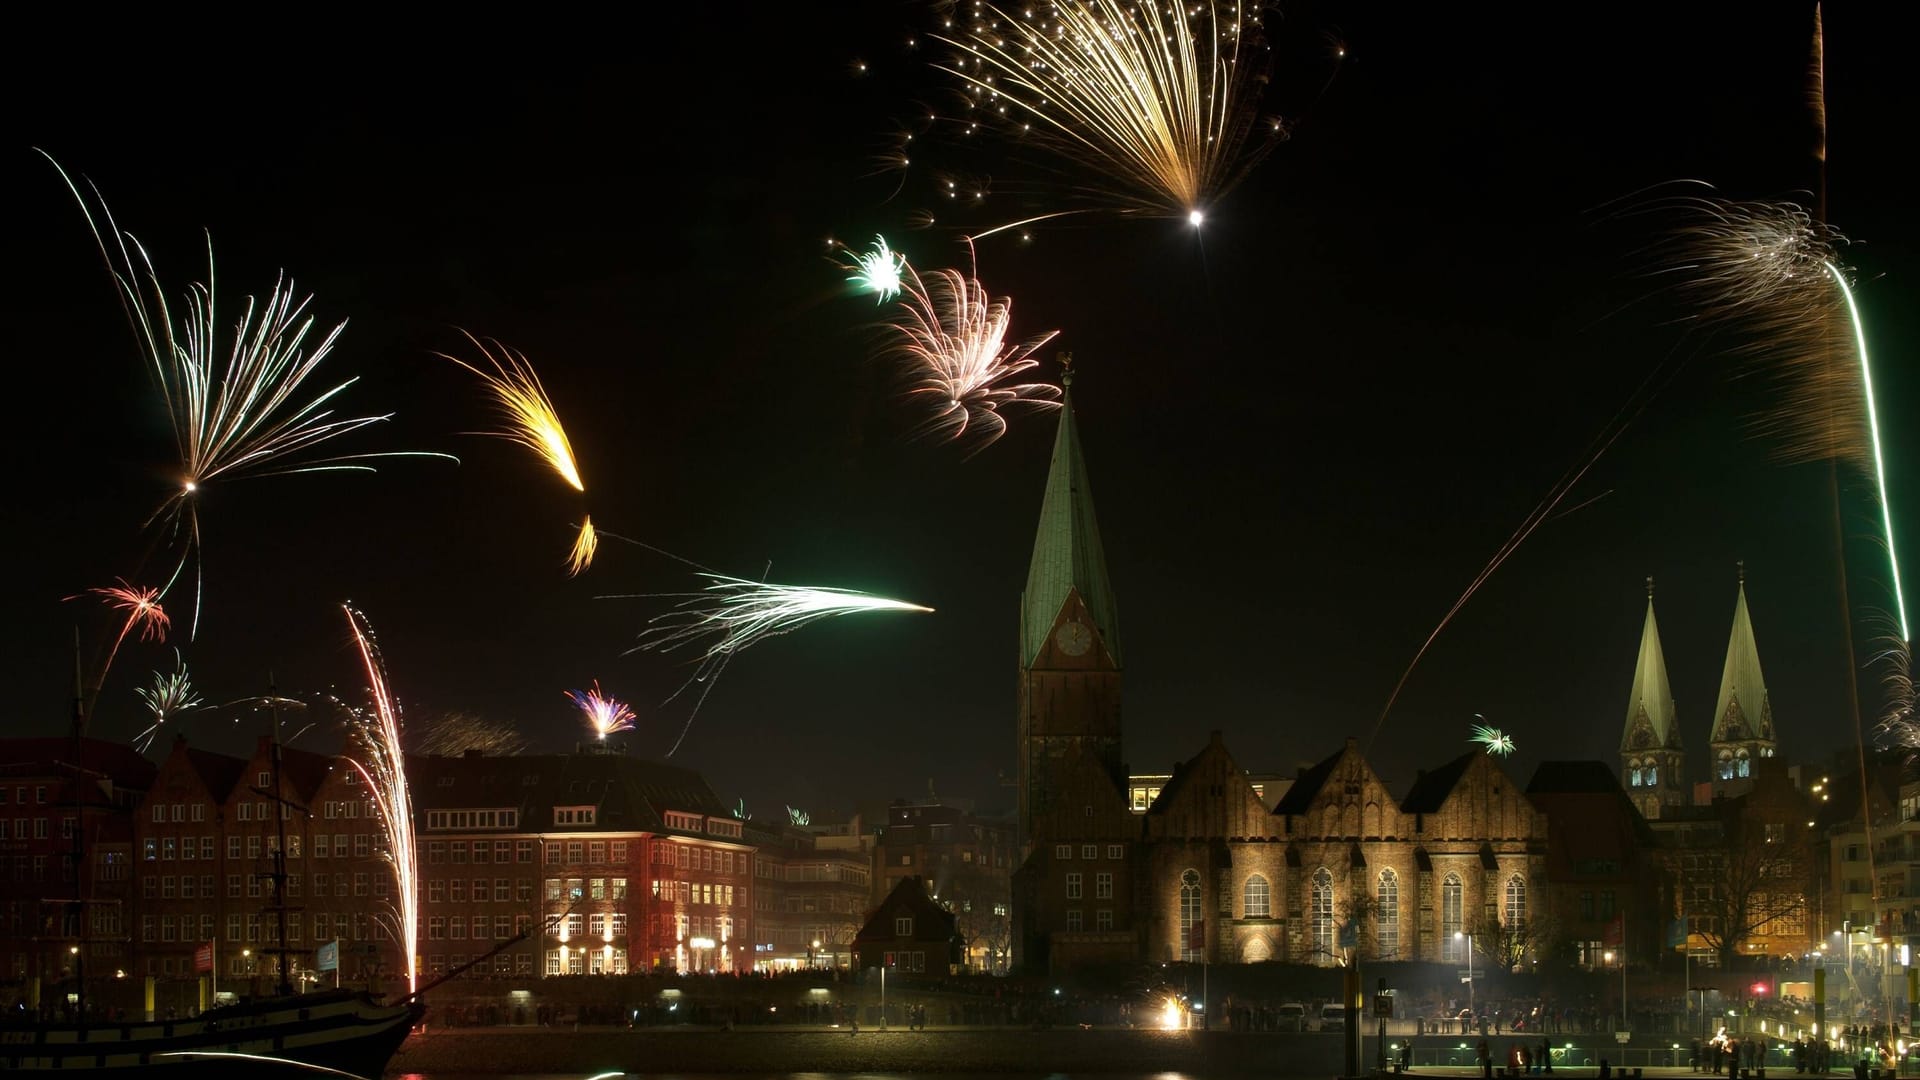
1652 695
1067 556
1743 711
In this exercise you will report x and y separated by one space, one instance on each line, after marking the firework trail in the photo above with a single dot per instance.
1160 100
1547 509
378 757
952 338
604 715
235 403
877 271
172 694
533 422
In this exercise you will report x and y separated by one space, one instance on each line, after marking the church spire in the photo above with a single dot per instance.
1743 717
1067 556
1650 708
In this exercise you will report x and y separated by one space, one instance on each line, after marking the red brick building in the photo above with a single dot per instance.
50 790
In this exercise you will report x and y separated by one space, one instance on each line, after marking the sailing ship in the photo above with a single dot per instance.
285 1034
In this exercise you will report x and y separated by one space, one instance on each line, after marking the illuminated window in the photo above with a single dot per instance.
1257 901
1192 923
1388 917
1320 911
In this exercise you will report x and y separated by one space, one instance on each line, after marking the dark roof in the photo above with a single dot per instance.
217 771
931 922
1300 796
631 793
1573 778
1430 789
53 754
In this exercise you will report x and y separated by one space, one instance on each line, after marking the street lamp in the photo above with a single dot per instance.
812 951
1457 936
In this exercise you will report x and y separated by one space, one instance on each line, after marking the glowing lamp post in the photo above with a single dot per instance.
1468 938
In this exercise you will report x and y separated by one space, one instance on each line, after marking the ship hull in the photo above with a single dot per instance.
307 1036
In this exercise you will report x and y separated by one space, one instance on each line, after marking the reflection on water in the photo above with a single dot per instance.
780 1076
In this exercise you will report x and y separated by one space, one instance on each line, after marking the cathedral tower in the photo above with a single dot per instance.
1069 674
1743 719
1651 757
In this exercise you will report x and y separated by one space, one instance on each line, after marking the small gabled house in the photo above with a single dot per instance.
910 932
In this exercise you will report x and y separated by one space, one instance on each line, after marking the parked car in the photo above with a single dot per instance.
1291 1016
1333 1018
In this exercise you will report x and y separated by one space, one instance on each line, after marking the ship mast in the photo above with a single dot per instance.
76 911
278 874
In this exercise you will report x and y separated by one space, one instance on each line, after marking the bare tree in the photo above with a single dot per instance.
1754 881
1504 945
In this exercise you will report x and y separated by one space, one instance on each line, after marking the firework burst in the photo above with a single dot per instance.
171 695
953 339
378 757
1159 100
532 421
877 271
236 401
604 714
142 609
1492 738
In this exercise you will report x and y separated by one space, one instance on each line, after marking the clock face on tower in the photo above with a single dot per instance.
1073 638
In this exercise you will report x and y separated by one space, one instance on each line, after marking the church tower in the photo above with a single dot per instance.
1651 757
1743 719
1069 676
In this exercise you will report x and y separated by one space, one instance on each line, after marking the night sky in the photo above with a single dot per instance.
1307 427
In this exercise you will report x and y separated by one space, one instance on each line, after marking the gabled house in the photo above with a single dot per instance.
910 932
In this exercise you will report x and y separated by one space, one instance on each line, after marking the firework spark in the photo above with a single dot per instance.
378 757
532 422
236 405
604 714
953 339
733 614
454 734
878 271
172 694
1158 99
1492 738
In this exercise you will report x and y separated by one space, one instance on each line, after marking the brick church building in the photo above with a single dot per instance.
1342 865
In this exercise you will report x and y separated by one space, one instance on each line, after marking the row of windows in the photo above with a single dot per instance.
1643 772
502 890
179 812
38 827
693 892
471 819
558 889
686 857
20 795
325 845
1102 886
1089 851
1256 903
1102 919
499 927
251 929
481 852
606 960
189 887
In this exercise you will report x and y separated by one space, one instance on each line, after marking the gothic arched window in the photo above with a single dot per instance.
1452 928
1726 765
1321 913
1742 764
1257 903
1516 909
1388 897
1653 775
1190 918
1633 773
